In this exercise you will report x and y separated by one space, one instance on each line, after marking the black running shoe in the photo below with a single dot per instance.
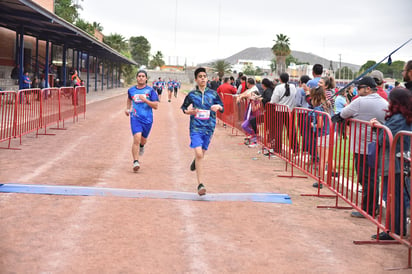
201 190
193 165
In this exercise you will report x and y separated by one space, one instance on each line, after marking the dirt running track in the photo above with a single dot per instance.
94 234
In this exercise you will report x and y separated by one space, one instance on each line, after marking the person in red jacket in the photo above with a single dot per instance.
226 87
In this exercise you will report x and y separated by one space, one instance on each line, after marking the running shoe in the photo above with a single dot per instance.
136 165
253 145
141 150
193 165
201 190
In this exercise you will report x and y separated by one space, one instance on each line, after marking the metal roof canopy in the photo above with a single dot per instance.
39 22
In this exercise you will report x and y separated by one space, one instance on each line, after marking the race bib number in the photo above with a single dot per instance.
137 100
203 114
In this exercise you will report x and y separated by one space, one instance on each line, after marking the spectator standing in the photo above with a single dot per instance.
369 105
407 74
320 126
341 102
303 121
26 83
328 84
204 104
226 87
15 74
251 93
317 71
242 86
398 117
378 77
215 83
75 79
141 100
238 79
268 87
283 94
232 81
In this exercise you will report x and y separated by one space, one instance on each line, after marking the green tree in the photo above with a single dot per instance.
67 10
128 71
393 70
157 60
221 67
248 69
116 42
273 64
97 26
281 50
344 73
140 49
290 59
84 25
366 66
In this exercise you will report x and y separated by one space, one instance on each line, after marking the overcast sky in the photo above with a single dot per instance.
199 31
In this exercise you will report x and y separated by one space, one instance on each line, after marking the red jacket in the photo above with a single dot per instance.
226 88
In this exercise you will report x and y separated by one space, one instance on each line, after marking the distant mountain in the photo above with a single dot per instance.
267 55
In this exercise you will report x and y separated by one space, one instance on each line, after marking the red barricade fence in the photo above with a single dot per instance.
67 103
8 112
398 208
29 110
346 158
278 135
80 106
49 107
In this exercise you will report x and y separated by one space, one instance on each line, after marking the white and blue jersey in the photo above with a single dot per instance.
205 120
142 111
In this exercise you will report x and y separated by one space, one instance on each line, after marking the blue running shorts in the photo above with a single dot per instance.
199 139
137 127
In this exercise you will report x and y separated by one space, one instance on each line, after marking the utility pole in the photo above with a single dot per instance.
340 64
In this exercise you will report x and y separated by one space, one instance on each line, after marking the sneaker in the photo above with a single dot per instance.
136 165
382 236
253 145
193 165
316 184
141 150
201 190
356 214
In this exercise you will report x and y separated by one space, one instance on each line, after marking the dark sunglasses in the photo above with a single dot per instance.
362 86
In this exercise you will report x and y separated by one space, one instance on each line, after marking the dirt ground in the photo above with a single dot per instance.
94 234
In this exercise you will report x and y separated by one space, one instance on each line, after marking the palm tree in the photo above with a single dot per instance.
157 60
221 67
281 50
116 41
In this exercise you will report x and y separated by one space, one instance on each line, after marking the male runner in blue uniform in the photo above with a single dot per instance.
203 103
141 99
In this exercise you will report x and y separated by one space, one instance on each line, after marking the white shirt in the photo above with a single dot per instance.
279 98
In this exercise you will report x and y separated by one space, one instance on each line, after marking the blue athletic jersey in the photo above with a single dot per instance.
202 101
142 111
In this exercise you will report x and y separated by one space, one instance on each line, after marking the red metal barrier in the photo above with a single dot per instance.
312 143
49 107
80 106
28 111
67 103
399 189
279 130
8 112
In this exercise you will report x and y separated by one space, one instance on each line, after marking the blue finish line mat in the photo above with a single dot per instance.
135 193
